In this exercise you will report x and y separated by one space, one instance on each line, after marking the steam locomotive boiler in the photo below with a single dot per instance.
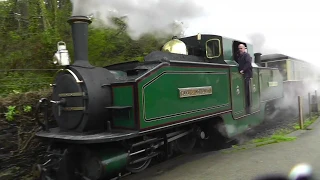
116 119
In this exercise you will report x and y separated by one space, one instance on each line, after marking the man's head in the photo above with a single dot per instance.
241 48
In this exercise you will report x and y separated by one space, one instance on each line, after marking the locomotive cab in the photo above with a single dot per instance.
206 48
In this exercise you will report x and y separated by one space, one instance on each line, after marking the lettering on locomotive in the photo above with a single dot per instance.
195 91
273 84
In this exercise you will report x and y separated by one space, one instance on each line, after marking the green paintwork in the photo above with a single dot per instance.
270 92
237 86
111 159
255 90
238 93
123 96
227 48
160 102
234 127
260 96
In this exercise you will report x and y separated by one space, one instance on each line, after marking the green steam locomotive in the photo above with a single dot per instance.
116 119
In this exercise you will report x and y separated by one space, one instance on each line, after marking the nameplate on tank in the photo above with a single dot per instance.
195 91
272 84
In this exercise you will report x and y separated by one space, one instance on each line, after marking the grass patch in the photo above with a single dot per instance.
307 123
281 135
278 136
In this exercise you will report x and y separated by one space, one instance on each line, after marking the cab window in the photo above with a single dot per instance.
213 49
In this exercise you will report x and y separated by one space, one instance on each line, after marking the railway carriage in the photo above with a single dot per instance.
299 78
118 118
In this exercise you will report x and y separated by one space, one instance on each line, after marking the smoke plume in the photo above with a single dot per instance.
142 16
261 22
258 41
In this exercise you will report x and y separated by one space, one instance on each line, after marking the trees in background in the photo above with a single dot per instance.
30 30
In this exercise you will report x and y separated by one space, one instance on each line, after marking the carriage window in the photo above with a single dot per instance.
213 49
281 65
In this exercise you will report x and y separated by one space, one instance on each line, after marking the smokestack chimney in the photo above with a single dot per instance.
79 26
257 58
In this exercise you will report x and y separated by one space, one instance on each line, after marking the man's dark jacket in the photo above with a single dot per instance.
244 62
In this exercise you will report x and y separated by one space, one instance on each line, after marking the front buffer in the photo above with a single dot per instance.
82 163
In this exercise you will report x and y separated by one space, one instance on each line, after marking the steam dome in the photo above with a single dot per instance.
175 46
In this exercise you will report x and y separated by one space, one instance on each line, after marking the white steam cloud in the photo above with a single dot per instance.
142 16
259 42
288 26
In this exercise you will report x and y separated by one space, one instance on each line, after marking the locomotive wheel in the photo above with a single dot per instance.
268 110
138 167
186 143
215 140
165 154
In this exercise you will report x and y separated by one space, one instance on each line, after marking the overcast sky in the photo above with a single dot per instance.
291 27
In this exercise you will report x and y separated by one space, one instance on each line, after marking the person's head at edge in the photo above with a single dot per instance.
241 48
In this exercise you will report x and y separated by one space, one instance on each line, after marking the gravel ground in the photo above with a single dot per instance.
242 164
283 120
